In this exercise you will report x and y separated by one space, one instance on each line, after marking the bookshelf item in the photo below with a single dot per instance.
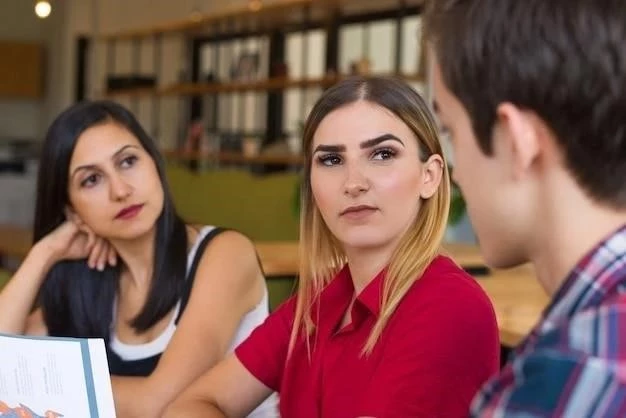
22 70
260 72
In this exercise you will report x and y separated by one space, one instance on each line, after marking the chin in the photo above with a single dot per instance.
134 230
364 241
500 256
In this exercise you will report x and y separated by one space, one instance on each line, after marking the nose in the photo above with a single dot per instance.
119 189
356 181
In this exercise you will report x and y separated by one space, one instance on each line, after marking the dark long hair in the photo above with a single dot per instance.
76 300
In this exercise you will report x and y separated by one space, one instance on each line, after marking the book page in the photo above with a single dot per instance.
54 377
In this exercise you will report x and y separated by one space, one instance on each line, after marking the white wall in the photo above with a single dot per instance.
23 118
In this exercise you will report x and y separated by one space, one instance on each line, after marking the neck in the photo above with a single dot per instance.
570 225
365 264
138 258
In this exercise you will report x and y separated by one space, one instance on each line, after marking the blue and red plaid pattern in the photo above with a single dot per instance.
573 363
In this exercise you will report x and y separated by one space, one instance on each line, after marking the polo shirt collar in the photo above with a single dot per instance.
337 295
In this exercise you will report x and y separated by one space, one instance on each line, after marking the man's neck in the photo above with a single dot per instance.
569 228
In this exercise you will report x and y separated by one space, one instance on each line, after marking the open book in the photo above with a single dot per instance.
54 377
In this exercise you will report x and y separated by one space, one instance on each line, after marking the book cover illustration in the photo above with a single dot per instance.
23 411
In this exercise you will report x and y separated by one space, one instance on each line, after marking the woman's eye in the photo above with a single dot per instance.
383 154
128 161
90 181
329 159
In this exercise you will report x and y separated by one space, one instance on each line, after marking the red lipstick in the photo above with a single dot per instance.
129 212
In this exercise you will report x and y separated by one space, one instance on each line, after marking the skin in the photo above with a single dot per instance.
348 169
366 156
535 214
110 171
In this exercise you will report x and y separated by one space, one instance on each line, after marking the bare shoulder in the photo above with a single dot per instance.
231 259
225 243
232 242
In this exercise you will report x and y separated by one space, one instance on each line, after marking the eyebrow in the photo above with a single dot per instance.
365 144
92 166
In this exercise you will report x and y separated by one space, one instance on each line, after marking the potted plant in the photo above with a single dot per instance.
457 205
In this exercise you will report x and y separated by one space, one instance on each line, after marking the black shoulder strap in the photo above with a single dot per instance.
194 267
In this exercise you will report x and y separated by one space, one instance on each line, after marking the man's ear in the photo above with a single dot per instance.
518 128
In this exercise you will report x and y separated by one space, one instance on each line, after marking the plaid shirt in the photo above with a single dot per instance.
573 363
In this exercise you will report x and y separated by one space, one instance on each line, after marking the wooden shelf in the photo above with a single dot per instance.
271 84
234 157
246 14
136 91
245 86
264 14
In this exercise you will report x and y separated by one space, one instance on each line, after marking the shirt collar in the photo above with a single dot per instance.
599 274
371 296
337 295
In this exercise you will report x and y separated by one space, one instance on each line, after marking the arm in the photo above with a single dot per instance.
228 284
440 349
227 390
19 294
66 242
240 382
573 370
550 383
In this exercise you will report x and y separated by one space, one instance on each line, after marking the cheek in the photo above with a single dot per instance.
146 179
89 207
399 186
320 188
156 180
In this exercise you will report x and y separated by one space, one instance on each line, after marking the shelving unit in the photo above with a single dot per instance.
269 84
256 106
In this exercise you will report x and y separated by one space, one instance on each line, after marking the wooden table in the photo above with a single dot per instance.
279 258
14 241
517 297
518 300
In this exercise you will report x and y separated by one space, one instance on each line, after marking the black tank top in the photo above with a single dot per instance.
145 366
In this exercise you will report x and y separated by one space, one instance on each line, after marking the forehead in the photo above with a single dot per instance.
101 141
357 122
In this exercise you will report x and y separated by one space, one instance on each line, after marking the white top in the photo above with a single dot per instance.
249 322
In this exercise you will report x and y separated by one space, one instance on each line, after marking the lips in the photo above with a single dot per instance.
129 212
355 210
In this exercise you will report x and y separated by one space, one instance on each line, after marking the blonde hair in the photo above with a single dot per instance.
321 256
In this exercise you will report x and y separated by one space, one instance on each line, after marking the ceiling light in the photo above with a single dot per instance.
43 9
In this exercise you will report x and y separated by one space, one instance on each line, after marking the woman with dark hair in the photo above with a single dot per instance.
111 259
383 325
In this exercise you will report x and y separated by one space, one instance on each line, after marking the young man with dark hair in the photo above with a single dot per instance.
533 93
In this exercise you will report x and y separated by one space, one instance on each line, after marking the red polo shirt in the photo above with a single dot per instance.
437 349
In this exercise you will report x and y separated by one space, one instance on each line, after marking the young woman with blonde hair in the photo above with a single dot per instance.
382 325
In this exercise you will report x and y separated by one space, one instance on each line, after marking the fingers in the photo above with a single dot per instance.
98 254
91 241
94 247
112 257
101 254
